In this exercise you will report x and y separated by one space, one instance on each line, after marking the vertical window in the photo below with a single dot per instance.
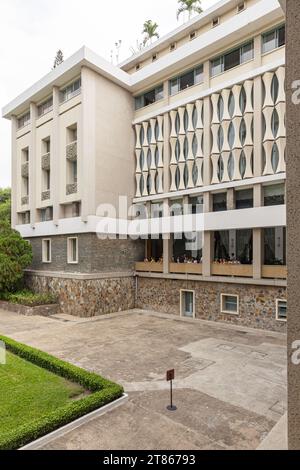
70 91
215 22
281 310
230 304
275 246
192 35
273 39
188 304
244 199
219 202
46 251
24 120
241 7
72 250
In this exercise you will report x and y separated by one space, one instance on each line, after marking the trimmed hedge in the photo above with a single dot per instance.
103 392
28 298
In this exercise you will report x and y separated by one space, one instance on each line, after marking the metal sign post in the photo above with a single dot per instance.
170 378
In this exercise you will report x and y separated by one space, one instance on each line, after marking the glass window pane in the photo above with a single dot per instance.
230 304
281 36
188 304
149 98
219 202
199 75
269 41
174 86
247 52
221 246
232 59
244 199
217 66
275 246
186 80
274 195
159 93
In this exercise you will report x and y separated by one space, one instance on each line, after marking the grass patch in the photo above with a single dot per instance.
28 298
40 393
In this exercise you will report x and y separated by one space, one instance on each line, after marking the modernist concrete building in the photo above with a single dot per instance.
194 124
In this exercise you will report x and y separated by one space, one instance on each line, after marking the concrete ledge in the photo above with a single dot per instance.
75 424
216 279
80 276
41 310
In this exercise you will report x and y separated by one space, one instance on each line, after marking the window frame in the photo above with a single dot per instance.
240 10
45 107
278 301
276 31
222 302
221 58
179 77
156 90
182 299
44 251
69 247
66 95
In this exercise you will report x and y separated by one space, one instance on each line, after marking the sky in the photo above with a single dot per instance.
31 31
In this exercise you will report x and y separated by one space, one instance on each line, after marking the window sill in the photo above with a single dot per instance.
264 54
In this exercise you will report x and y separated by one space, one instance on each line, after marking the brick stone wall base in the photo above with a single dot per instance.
42 310
257 304
87 298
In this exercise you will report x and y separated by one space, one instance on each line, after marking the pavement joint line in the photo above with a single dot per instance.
75 424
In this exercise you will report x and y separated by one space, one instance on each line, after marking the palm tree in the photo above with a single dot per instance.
150 31
190 6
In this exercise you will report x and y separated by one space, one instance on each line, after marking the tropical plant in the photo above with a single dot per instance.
190 7
150 32
59 58
5 205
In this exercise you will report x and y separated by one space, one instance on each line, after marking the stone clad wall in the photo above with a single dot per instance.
87 298
257 303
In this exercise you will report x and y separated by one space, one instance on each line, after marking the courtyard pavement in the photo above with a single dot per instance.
230 386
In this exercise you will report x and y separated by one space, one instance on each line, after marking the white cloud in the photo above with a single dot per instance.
31 31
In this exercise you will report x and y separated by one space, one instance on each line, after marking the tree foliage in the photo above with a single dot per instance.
15 253
189 6
150 31
59 58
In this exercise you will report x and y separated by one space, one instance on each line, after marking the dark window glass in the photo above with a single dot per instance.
274 195
187 80
219 202
221 248
232 59
244 199
149 98
275 246
281 36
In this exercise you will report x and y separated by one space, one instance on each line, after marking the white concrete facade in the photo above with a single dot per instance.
224 133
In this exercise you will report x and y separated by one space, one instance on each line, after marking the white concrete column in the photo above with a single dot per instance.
166 153
55 160
257 235
33 174
207 142
14 171
87 144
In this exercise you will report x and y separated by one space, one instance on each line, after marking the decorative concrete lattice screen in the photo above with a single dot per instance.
232 134
186 136
274 131
149 152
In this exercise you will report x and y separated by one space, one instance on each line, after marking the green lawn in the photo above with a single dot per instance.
29 392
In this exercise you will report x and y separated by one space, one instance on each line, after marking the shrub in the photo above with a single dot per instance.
28 298
15 256
103 392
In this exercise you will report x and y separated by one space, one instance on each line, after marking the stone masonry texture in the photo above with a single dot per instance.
95 256
87 298
257 304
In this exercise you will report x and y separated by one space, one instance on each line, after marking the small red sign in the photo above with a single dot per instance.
170 375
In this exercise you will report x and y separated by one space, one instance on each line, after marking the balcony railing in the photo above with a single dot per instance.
71 189
25 170
46 162
71 152
45 195
25 200
233 270
274 272
185 268
149 267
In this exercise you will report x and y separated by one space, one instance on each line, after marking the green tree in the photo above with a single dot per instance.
189 6
150 32
15 253
5 205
